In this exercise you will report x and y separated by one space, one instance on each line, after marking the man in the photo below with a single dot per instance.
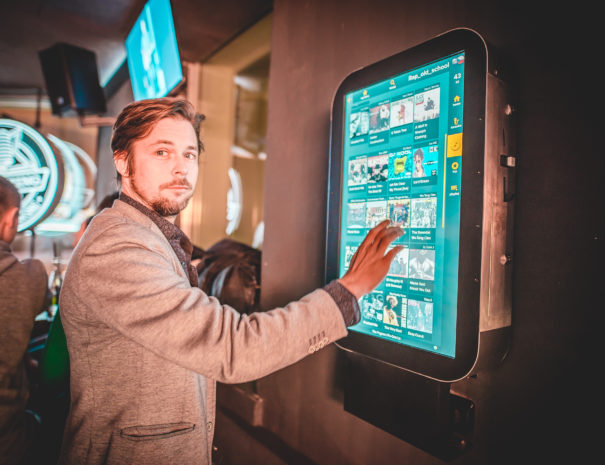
146 344
418 164
23 295
389 317
422 264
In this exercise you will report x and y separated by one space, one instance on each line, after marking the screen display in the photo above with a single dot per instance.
152 52
402 160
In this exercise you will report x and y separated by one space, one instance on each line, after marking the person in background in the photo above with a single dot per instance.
23 295
146 344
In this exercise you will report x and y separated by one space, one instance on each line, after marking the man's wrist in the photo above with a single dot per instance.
350 286
346 302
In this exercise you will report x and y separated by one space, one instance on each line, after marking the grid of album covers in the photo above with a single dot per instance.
393 147
405 298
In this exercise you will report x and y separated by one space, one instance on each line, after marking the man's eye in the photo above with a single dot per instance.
161 153
191 155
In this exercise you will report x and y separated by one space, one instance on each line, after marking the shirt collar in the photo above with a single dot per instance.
170 230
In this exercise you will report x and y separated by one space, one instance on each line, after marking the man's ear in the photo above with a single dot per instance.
119 159
13 216
8 224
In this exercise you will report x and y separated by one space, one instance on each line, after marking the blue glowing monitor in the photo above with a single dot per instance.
398 167
152 52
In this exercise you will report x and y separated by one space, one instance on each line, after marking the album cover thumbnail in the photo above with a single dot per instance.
426 105
424 212
371 306
358 171
393 311
399 212
349 252
359 124
425 161
378 168
422 264
376 211
356 217
402 112
379 118
399 265
420 316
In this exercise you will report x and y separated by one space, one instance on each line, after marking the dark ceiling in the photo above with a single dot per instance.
28 26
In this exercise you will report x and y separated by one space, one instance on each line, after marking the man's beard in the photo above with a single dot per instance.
161 205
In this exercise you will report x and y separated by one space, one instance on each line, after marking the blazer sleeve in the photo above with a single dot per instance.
132 285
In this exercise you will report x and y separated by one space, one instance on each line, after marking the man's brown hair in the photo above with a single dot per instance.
137 120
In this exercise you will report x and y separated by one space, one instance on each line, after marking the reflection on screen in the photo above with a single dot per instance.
152 53
403 161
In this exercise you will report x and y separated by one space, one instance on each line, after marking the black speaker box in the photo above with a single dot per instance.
72 80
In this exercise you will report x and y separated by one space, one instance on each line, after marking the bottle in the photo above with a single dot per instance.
55 281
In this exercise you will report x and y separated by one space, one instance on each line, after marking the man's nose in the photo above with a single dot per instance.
180 165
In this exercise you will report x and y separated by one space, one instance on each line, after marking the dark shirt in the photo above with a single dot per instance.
347 303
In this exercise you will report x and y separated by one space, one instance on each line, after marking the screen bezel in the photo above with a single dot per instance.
179 84
417 360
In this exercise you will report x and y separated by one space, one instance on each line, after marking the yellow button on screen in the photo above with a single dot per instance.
454 145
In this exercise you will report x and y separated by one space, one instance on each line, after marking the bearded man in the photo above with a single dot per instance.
147 345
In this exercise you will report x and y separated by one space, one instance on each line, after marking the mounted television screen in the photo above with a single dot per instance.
152 52
399 127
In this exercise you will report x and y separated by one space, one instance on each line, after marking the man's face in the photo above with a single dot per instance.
165 167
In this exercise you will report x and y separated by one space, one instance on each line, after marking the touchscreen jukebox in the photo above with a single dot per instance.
424 139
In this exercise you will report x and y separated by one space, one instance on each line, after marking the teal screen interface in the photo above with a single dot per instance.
152 52
403 161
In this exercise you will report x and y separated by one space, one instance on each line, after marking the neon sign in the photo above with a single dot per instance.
68 214
27 160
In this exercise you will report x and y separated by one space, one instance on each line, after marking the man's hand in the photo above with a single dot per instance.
370 265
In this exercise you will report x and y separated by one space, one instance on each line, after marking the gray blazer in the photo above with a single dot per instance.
146 349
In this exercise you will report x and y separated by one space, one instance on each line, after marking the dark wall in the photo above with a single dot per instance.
535 407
